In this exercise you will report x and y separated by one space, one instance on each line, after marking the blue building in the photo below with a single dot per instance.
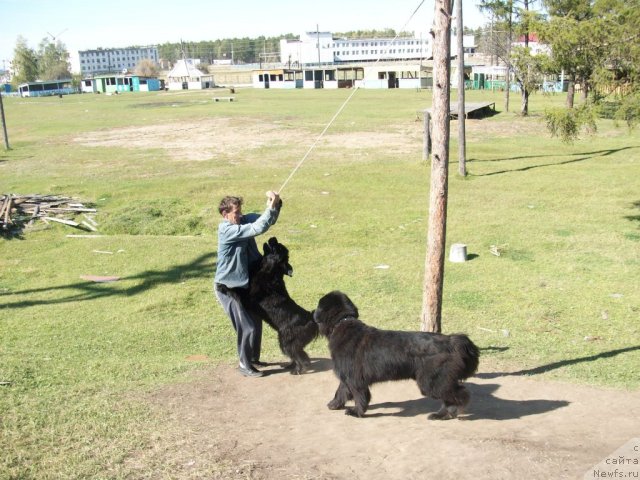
120 84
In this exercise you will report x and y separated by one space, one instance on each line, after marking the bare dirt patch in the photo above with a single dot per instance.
195 140
226 426
211 138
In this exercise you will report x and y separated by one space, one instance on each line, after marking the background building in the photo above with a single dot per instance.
185 75
322 48
112 60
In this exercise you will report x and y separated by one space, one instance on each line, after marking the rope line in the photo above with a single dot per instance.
344 104
318 139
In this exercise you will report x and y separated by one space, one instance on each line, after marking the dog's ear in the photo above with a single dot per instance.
348 306
273 242
266 248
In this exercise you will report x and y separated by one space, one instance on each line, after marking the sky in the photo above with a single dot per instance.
85 25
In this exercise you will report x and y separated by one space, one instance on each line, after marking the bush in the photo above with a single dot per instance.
629 110
162 217
567 123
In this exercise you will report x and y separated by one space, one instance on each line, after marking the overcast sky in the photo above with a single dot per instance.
87 25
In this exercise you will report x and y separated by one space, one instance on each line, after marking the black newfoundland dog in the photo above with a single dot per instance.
267 298
363 355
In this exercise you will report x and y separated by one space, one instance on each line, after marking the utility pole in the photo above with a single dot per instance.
462 140
318 44
508 77
4 125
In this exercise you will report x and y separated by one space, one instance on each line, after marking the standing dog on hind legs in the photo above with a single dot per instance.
268 299
364 355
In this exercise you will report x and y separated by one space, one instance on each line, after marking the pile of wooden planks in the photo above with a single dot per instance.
20 211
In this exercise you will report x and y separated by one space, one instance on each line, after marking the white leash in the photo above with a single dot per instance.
338 112
317 140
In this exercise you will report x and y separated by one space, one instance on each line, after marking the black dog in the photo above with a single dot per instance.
363 355
267 298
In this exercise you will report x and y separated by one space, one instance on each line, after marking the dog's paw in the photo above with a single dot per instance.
353 412
335 405
441 415
300 369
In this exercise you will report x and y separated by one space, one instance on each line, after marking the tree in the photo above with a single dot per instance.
53 60
501 12
529 70
596 43
618 75
25 62
513 18
462 139
492 41
526 66
575 46
146 68
434 264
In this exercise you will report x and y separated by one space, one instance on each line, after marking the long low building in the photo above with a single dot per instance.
120 84
393 75
322 48
46 88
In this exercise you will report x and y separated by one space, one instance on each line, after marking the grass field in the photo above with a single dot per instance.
561 301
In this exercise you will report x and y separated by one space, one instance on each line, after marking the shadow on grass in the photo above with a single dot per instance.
556 365
582 157
493 349
634 218
200 267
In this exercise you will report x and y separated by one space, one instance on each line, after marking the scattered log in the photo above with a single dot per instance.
62 220
20 211
89 226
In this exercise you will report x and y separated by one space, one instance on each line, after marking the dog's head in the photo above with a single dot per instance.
276 258
332 308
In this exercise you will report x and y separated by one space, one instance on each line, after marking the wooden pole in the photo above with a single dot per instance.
462 139
4 125
434 263
426 142
508 59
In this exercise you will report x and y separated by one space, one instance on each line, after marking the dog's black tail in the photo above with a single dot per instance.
467 353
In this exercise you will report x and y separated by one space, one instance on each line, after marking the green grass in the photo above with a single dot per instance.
561 301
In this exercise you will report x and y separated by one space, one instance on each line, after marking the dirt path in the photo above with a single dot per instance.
278 427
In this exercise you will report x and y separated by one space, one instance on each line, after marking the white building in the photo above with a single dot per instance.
321 48
535 46
112 60
373 75
185 75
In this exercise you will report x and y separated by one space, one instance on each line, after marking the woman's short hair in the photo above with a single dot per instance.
227 204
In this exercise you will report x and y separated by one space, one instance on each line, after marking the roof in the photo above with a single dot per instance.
185 68
45 82
533 37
